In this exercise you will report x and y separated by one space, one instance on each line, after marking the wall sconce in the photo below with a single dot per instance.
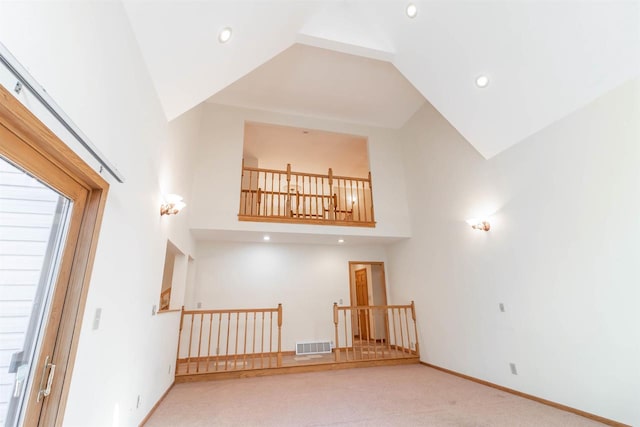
478 224
172 205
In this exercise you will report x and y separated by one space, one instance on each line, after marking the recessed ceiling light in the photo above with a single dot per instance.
340 240
266 238
412 10
224 35
482 81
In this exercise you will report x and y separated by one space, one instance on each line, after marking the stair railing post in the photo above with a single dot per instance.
179 338
415 327
279 357
335 322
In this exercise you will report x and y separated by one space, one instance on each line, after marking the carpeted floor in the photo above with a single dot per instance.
409 395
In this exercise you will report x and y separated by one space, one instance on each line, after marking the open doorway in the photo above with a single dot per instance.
368 288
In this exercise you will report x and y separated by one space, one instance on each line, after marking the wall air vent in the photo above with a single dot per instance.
313 347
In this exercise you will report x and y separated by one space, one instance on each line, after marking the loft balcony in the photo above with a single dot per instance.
287 196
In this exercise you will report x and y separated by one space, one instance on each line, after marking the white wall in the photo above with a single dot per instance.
306 279
218 170
86 57
563 255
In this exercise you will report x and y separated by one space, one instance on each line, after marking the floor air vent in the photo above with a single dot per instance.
313 347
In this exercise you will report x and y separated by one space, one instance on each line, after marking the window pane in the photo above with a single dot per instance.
33 223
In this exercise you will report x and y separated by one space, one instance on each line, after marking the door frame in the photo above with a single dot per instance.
352 298
24 125
352 289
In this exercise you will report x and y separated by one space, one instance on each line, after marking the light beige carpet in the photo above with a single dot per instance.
409 395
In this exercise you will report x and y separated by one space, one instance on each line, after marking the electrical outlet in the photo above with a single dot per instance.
513 368
96 318
138 402
501 305
199 305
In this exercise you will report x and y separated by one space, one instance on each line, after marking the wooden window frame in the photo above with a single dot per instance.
17 119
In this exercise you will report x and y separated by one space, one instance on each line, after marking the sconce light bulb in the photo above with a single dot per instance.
478 224
483 226
172 205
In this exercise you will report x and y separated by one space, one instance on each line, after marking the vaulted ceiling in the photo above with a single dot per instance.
323 83
544 59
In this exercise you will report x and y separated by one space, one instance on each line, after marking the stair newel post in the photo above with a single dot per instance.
279 357
335 322
415 327
332 200
179 338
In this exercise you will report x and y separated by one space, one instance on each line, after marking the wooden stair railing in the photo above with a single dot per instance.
375 332
229 340
273 195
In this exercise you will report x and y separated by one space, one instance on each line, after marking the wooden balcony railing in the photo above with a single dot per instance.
286 196
229 340
375 332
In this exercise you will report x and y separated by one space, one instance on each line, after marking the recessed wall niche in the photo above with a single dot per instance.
171 275
305 175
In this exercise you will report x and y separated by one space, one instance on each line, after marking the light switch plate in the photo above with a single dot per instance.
513 368
96 318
